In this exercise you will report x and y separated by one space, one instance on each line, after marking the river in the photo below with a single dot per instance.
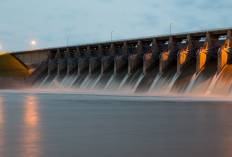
62 124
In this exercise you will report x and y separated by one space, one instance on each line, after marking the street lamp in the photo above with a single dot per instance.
170 28
67 41
32 43
111 35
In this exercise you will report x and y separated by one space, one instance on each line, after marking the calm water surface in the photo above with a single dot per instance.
90 125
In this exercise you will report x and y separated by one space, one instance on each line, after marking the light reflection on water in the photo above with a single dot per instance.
1 125
61 124
31 132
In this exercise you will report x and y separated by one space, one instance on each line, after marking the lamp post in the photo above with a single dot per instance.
32 43
171 28
67 41
111 35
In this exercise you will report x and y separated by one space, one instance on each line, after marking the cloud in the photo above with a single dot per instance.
51 22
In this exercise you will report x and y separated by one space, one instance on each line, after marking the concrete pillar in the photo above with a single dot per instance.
171 44
223 55
183 58
105 63
125 49
49 56
67 53
133 61
165 60
82 65
148 60
61 66
118 63
93 65
70 66
100 51
58 56
139 48
202 56
88 52
51 66
155 46
77 53
189 42
112 49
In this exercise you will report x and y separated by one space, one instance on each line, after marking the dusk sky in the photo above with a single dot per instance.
50 22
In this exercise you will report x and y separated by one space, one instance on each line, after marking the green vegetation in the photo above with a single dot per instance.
11 67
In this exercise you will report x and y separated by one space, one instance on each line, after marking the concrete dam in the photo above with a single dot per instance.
197 62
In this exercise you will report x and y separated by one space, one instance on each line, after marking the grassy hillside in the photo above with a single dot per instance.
11 67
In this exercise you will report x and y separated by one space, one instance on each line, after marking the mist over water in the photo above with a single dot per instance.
70 124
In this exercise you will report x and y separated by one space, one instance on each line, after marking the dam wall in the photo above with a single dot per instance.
172 63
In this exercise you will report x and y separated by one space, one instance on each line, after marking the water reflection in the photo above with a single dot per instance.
31 127
1 125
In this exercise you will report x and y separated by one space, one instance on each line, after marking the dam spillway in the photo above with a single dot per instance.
184 63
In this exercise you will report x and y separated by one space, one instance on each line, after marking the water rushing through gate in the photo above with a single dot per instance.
187 82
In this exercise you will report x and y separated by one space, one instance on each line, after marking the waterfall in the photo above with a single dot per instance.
148 79
105 79
186 82
164 80
184 78
132 79
224 81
